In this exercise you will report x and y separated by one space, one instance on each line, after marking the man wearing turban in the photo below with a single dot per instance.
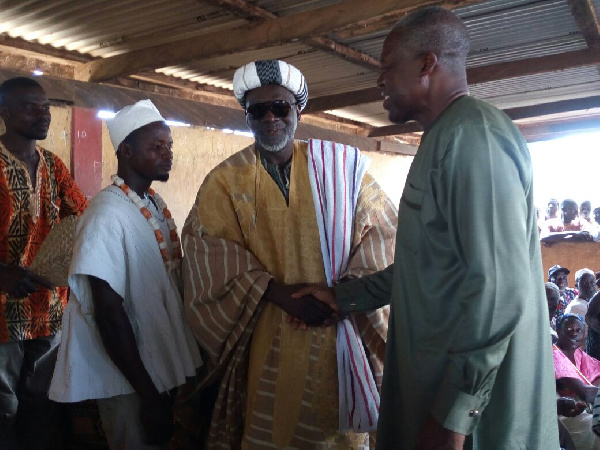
260 230
125 340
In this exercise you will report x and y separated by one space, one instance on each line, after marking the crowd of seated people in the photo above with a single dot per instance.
570 221
572 312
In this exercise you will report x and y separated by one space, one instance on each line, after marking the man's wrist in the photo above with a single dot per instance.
270 294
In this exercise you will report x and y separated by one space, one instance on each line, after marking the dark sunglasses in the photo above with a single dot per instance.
279 108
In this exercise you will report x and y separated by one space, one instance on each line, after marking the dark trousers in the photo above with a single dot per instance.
28 419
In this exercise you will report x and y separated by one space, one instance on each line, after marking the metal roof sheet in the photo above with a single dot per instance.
501 31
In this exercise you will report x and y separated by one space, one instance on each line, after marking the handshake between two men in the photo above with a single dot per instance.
307 305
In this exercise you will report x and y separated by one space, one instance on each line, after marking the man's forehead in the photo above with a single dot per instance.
28 95
268 93
393 44
155 130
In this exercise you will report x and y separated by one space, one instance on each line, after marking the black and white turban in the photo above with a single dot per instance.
261 73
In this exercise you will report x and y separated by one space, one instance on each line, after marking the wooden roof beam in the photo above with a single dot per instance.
250 12
386 21
524 112
270 33
552 130
585 16
475 75
24 63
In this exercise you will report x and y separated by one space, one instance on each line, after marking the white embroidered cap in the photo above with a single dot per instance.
130 119
261 73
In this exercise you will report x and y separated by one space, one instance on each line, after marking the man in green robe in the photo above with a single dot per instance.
468 360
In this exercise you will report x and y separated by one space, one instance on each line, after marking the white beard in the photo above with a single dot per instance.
285 140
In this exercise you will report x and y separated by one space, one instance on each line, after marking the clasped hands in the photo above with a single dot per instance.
307 305
20 282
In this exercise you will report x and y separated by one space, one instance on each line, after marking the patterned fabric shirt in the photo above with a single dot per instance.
280 175
26 217
566 297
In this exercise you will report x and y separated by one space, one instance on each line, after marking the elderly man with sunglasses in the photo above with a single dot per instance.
252 240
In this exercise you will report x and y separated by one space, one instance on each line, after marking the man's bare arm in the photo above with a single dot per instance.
120 344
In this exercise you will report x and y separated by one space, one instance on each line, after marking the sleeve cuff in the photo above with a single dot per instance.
457 411
350 297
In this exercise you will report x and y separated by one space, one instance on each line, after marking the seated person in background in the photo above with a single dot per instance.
585 282
565 406
585 210
576 372
571 219
552 297
592 319
558 276
595 226
573 227
553 222
577 375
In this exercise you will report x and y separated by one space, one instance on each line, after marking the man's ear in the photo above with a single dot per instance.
429 63
124 150
298 113
4 111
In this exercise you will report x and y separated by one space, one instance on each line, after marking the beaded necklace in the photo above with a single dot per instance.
170 263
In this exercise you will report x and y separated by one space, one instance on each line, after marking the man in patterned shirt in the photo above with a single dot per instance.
36 191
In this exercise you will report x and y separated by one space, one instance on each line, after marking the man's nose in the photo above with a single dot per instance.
42 112
269 116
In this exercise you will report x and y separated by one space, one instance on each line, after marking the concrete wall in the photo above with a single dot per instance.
197 151
58 140
573 256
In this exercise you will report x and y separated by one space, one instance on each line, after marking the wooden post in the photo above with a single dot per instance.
86 150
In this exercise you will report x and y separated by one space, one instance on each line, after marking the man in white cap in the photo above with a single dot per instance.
251 240
125 341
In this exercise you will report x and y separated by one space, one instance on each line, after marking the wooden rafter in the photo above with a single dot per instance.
586 18
370 26
27 64
392 130
250 12
475 75
180 105
524 112
555 129
270 33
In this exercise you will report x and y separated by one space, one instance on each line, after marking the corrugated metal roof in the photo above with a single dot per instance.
106 27
509 93
284 8
520 25
505 30
325 74
501 31
539 82
370 113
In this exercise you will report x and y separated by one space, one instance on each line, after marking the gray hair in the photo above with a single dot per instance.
437 30
582 272
553 288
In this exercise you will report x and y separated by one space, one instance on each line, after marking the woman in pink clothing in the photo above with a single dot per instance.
575 370
577 375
